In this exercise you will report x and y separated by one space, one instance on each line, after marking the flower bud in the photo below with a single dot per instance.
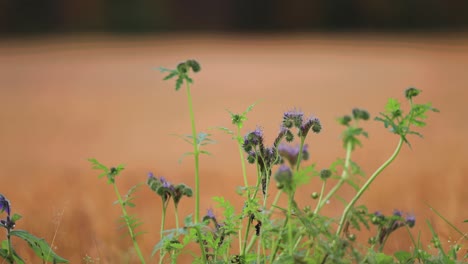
411 92
314 195
325 174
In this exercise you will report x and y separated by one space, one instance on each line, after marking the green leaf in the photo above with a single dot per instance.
179 83
224 129
16 217
39 246
402 256
188 220
4 253
381 258
205 152
392 105
170 75
162 69
184 155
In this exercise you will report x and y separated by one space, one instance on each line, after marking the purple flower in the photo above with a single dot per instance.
253 139
312 123
410 220
210 216
293 118
291 153
5 205
150 175
397 212
165 183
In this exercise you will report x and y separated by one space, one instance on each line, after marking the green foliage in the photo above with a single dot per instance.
39 246
269 233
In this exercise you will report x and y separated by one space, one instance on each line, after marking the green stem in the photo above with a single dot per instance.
277 242
10 248
177 219
161 230
200 242
130 230
320 197
367 184
246 237
290 227
241 153
196 153
344 177
299 156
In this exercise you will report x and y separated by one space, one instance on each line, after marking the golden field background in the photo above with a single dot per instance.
66 99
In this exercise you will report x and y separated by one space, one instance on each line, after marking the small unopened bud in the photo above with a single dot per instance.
325 174
411 92
314 195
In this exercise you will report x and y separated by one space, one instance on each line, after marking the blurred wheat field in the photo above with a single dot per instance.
66 99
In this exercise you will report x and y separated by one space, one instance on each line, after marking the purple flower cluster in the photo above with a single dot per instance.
5 206
291 153
388 224
166 190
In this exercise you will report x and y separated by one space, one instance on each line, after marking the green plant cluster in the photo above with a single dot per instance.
262 231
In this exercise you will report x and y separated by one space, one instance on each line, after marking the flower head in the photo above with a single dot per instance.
397 212
293 118
210 216
5 205
410 220
312 123
291 153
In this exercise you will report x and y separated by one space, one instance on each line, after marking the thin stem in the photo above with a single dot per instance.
344 176
196 153
367 184
177 219
130 230
299 156
290 227
277 242
10 248
321 195
161 230
246 237
241 153
200 242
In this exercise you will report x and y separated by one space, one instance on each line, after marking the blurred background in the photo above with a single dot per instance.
77 81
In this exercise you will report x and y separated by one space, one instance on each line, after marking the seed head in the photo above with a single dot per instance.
411 92
410 220
360 114
194 65
293 118
325 174
284 175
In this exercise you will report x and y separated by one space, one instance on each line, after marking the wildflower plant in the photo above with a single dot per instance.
264 232
38 245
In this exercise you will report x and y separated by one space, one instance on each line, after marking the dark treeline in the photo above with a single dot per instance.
46 16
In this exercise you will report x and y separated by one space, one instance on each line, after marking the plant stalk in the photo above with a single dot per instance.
130 230
367 184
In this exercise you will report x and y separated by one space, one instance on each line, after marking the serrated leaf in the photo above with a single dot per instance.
224 129
16 217
184 155
402 256
39 246
162 69
179 83
392 105
188 220
205 152
170 75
